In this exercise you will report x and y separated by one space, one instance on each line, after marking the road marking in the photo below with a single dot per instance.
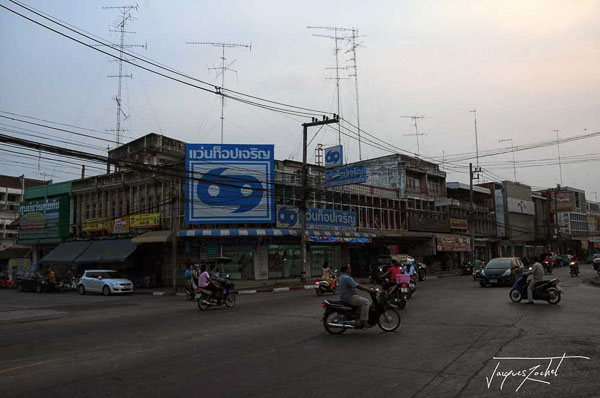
29 365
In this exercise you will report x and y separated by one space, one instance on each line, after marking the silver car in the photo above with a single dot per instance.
104 281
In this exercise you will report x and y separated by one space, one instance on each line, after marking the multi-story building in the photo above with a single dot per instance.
12 190
593 220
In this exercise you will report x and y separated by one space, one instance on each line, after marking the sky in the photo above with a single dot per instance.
528 68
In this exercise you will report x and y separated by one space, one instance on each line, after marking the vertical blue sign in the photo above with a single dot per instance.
229 184
334 156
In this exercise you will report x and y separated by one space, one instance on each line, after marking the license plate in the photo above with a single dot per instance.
493 280
197 296
404 290
412 285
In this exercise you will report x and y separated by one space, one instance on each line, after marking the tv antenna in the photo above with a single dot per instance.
339 34
124 18
354 67
223 68
415 118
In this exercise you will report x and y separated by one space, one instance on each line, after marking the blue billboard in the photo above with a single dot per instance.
334 156
346 175
324 219
229 184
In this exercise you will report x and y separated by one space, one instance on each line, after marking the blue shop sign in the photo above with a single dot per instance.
346 175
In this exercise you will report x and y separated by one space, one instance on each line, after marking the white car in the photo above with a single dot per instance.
104 281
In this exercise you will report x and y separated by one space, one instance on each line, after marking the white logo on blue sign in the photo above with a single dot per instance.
229 184
334 156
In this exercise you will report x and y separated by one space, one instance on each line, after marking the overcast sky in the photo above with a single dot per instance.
528 67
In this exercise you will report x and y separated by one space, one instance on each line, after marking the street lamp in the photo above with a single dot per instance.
513 154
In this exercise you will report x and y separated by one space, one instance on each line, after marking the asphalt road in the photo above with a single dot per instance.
274 345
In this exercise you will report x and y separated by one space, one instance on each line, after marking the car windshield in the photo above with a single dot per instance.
499 263
111 275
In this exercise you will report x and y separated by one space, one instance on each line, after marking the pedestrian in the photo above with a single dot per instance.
52 276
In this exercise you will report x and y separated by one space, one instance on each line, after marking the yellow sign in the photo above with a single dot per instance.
459 223
94 224
119 225
149 220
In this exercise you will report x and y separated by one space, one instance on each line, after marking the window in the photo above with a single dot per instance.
413 184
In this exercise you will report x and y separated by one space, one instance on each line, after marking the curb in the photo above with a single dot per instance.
247 291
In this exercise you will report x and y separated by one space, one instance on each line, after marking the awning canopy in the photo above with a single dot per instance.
152 237
65 253
107 251
271 232
15 252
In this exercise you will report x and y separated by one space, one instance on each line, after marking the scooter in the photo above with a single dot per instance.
207 298
548 267
574 268
340 316
547 290
323 286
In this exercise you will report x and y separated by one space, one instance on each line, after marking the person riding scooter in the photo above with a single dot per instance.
328 275
207 282
347 288
537 273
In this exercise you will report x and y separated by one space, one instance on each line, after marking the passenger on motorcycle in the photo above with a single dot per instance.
347 288
206 282
391 273
411 269
537 273
328 275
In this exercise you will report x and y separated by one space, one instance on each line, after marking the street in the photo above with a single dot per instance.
274 344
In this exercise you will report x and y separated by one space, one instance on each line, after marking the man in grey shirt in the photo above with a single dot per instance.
347 289
537 274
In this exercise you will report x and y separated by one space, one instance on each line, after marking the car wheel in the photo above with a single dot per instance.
106 290
482 283
81 289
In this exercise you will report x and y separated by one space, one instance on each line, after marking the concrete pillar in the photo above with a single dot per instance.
261 262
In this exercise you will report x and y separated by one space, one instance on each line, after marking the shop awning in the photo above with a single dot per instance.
190 233
65 253
271 232
152 237
107 251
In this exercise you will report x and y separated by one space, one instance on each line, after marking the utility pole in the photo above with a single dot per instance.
415 118
125 17
305 126
338 35
223 68
559 163
472 207
474 111
513 155
354 66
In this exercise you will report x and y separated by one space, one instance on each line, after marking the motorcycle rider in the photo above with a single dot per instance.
537 273
391 273
328 275
205 281
347 289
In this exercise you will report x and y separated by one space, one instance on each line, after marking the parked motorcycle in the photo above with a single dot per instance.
574 268
323 286
207 298
547 290
339 316
548 267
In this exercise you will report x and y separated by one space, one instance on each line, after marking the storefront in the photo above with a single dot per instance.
452 250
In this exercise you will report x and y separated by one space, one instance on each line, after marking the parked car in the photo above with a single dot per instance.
500 271
34 281
104 281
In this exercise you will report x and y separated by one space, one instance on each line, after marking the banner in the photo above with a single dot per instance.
561 201
459 223
119 225
148 220
520 206
95 225
228 184
453 244
345 176
44 219
325 219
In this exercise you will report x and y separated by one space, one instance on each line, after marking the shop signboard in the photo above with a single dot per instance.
94 225
147 220
561 201
334 156
448 243
520 206
564 222
346 175
44 219
119 225
337 239
324 219
229 184
459 223
423 224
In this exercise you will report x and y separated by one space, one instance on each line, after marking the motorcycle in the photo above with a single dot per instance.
574 268
548 267
412 285
547 290
207 298
340 316
467 268
323 286
396 295
422 271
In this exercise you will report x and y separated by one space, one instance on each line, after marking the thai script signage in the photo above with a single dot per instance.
44 219
459 223
229 184
148 220
453 244
346 175
325 219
